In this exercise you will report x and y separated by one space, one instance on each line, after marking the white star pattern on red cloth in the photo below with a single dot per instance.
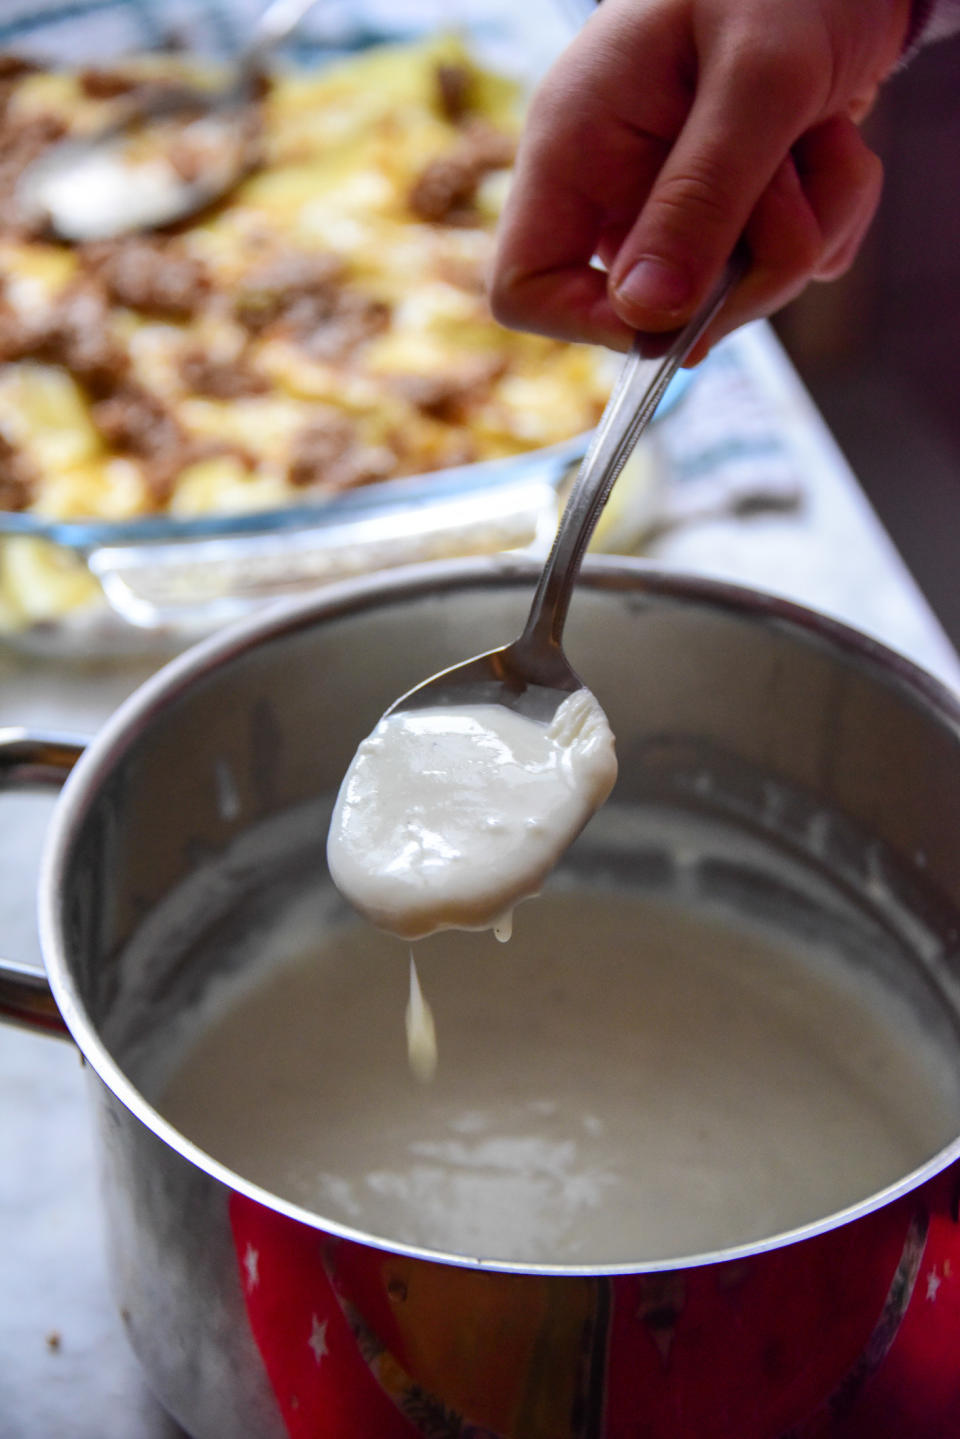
318 1338
933 1284
251 1262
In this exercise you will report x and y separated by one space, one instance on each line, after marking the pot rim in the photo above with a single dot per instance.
136 713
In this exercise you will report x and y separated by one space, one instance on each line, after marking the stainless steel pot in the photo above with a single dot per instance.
256 1320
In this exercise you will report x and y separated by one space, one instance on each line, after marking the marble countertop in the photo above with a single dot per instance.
66 1369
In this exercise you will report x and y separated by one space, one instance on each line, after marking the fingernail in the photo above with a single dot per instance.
655 284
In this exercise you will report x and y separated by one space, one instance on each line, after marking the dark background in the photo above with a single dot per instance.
880 349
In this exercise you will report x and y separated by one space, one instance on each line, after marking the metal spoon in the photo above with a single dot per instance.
533 675
83 188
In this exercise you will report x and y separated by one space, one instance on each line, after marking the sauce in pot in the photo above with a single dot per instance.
632 1078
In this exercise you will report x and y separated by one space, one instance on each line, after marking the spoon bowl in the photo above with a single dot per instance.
85 188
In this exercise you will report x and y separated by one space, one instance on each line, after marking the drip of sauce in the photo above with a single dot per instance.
421 1030
449 816
503 928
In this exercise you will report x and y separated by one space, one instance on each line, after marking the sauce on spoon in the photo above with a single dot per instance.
449 816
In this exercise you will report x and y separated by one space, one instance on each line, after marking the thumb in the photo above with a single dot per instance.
733 142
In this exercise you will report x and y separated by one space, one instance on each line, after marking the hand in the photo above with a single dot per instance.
668 129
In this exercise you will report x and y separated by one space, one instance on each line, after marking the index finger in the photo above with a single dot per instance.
748 112
584 168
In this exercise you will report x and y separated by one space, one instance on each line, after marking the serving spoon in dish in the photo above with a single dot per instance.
90 187
472 785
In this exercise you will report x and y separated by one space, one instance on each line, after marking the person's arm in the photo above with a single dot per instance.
668 129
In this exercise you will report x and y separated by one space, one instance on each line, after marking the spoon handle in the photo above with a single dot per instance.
272 28
647 371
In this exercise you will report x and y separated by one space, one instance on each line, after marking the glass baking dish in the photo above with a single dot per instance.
170 574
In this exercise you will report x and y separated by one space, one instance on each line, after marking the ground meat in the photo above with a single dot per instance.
327 456
13 333
353 319
74 333
31 135
261 83
155 276
296 288
445 191
448 397
22 142
103 83
134 422
453 84
304 297
14 67
486 147
17 477
304 313
202 374
319 446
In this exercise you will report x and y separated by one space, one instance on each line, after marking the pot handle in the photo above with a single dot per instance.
33 761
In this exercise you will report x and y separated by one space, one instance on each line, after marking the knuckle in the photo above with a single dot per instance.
783 79
779 79
701 196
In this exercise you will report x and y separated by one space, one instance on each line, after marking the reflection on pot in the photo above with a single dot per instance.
856 1342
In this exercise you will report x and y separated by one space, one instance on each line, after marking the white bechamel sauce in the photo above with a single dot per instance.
448 817
421 1030
630 1079
503 927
